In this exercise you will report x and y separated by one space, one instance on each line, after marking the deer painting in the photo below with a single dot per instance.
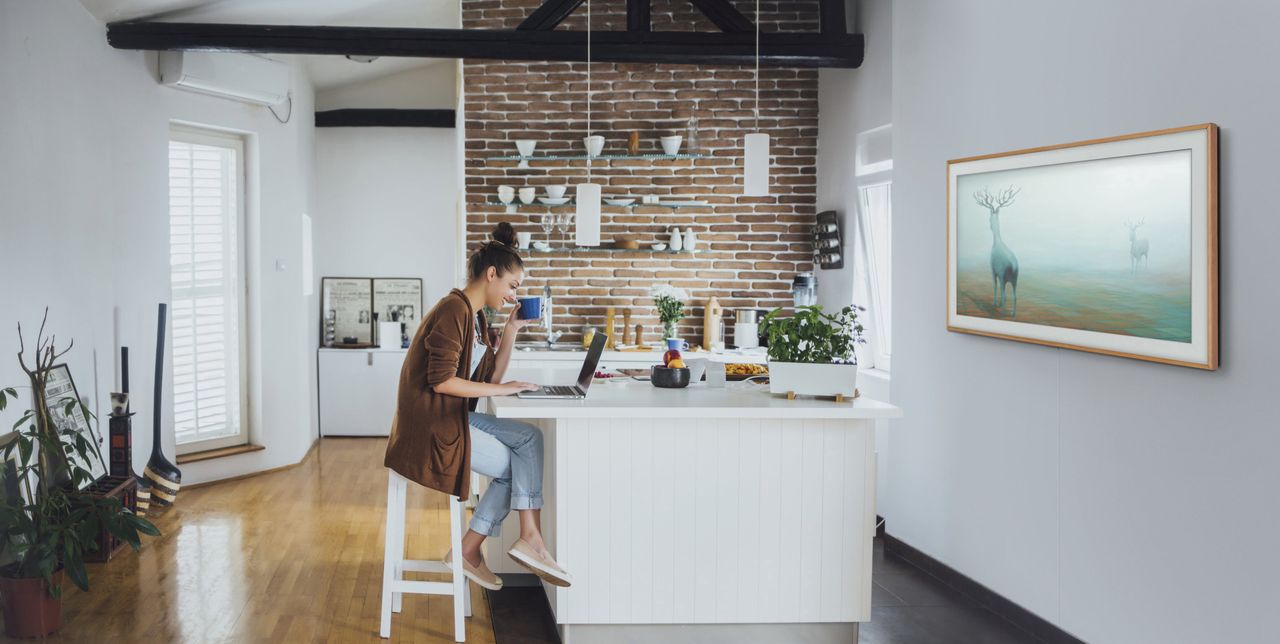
1138 246
1004 264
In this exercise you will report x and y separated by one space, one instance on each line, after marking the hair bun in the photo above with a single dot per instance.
504 234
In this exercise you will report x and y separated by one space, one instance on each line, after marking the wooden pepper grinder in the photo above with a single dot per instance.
711 320
633 143
610 328
640 334
626 326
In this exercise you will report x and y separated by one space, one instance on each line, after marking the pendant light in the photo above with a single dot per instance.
755 146
587 225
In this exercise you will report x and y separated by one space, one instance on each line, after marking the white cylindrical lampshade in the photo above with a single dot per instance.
587 226
755 165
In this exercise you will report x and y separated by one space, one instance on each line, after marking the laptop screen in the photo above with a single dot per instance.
593 358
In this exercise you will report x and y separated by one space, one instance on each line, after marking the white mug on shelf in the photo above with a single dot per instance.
523 239
527 195
556 192
526 147
506 194
671 144
594 145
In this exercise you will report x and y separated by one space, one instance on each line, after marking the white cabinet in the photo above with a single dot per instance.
358 390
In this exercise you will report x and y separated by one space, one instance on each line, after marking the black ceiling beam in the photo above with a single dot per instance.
727 18
831 17
638 15
550 14
386 118
776 49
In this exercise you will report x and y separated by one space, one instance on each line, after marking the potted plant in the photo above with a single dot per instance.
812 352
46 522
670 302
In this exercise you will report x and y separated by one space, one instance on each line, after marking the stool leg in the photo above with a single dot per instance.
459 581
402 504
389 555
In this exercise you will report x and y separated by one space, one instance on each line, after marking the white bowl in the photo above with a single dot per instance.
671 144
526 146
619 202
555 192
541 245
594 145
526 195
658 246
554 202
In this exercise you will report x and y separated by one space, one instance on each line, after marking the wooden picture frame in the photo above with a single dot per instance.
1114 242
59 387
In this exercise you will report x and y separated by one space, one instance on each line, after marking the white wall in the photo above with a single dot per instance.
84 206
387 197
1124 501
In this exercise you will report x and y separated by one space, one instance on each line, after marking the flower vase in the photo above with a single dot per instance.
668 330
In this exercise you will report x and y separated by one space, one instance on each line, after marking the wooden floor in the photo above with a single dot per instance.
289 556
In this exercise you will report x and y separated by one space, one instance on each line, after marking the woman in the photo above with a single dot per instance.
437 438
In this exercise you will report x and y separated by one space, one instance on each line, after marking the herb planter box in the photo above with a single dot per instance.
812 379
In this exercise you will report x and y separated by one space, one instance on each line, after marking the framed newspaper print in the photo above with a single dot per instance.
398 299
346 311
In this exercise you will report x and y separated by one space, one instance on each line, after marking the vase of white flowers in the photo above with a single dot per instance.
670 302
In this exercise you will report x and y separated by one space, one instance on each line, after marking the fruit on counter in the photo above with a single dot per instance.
671 354
676 363
745 369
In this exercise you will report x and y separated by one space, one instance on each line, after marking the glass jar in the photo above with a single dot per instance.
804 290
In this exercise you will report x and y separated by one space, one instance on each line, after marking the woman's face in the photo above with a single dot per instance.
501 288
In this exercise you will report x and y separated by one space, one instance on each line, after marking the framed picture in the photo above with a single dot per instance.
346 307
398 296
1108 246
59 389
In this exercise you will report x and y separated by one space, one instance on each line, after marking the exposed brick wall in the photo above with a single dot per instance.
750 247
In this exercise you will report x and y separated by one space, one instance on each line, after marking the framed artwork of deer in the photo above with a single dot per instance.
1108 245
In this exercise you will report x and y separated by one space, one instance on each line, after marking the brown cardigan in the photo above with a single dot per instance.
430 443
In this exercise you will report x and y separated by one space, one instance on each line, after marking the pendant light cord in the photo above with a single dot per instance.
589 88
757 102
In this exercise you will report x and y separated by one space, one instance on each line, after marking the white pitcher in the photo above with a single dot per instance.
690 239
674 242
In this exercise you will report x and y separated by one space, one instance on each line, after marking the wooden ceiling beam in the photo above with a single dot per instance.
777 49
724 15
638 16
365 117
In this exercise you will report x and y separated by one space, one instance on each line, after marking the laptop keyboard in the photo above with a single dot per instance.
558 390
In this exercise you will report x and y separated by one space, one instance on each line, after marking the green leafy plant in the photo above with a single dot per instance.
670 302
812 336
46 521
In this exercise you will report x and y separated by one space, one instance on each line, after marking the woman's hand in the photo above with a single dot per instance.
512 387
514 323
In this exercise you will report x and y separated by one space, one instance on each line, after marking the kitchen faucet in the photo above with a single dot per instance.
552 336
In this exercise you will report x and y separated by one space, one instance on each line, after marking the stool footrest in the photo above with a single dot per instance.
423 565
422 587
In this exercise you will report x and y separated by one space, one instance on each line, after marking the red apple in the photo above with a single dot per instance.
670 355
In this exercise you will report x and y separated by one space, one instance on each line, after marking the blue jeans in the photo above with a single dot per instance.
509 452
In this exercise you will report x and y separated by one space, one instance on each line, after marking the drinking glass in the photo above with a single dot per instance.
562 223
548 224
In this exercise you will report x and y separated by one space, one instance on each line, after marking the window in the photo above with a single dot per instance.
875 206
873 170
207 278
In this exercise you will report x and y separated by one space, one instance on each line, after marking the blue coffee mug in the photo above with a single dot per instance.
677 344
530 308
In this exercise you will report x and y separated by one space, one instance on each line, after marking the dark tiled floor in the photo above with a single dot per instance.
908 606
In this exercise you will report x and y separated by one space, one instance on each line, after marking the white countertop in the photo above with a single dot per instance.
628 397
652 357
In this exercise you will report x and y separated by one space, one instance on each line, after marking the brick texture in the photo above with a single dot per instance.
749 247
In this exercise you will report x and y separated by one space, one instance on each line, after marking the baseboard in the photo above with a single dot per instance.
989 599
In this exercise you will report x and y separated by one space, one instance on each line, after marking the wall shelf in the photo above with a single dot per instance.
517 205
602 157
605 249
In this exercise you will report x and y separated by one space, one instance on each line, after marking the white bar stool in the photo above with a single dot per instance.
394 565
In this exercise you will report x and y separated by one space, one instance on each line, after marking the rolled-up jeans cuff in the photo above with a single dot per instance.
526 501
485 526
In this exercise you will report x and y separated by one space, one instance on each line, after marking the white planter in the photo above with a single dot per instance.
811 379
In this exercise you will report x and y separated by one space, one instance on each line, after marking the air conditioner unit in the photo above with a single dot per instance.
241 77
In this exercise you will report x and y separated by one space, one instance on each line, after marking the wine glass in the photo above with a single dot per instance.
548 224
562 222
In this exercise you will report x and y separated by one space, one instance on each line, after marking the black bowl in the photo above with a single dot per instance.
669 378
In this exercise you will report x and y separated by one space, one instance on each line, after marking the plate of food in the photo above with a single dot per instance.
744 370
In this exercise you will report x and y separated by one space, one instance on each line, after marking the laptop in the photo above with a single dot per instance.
584 377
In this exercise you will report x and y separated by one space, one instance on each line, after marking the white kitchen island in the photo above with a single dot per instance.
704 515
